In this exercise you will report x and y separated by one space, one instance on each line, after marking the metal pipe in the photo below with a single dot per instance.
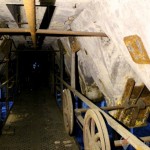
29 6
110 108
47 32
70 33
8 31
133 140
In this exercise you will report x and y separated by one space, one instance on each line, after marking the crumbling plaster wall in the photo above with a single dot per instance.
88 86
107 60
110 68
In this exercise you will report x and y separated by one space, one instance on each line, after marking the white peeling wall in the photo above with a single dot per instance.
87 84
109 60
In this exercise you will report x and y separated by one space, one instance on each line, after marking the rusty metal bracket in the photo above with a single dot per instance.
136 49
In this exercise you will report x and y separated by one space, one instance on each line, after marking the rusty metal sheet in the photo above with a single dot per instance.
136 49
134 95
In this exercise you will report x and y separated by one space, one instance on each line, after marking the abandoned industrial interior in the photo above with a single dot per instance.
74 75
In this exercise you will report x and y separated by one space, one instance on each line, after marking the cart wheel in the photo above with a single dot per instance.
95 131
68 111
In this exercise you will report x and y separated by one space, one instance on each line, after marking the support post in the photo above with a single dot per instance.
7 90
17 71
73 77
30 10
61 70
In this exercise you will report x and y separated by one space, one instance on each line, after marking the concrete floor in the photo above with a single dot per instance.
36 123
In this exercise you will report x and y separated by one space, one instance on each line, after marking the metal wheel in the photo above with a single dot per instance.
95 131
68 111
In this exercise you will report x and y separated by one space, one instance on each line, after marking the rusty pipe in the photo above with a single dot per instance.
70 33
22 31
8 31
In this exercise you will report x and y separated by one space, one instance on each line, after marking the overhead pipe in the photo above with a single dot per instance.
70 33
47 32
8 31
29 6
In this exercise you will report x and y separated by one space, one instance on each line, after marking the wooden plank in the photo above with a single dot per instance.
118 142
81 120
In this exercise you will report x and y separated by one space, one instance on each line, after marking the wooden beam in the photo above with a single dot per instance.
29 6
70 33
9 31
120 142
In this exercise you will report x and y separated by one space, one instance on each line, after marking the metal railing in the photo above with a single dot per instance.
7 95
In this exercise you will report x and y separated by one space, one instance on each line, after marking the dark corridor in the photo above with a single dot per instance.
34 69
34 122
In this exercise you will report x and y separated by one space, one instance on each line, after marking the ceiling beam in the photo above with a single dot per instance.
69 33
29 6
8 31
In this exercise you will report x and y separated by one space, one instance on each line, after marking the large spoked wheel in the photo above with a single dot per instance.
68 114
95 131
